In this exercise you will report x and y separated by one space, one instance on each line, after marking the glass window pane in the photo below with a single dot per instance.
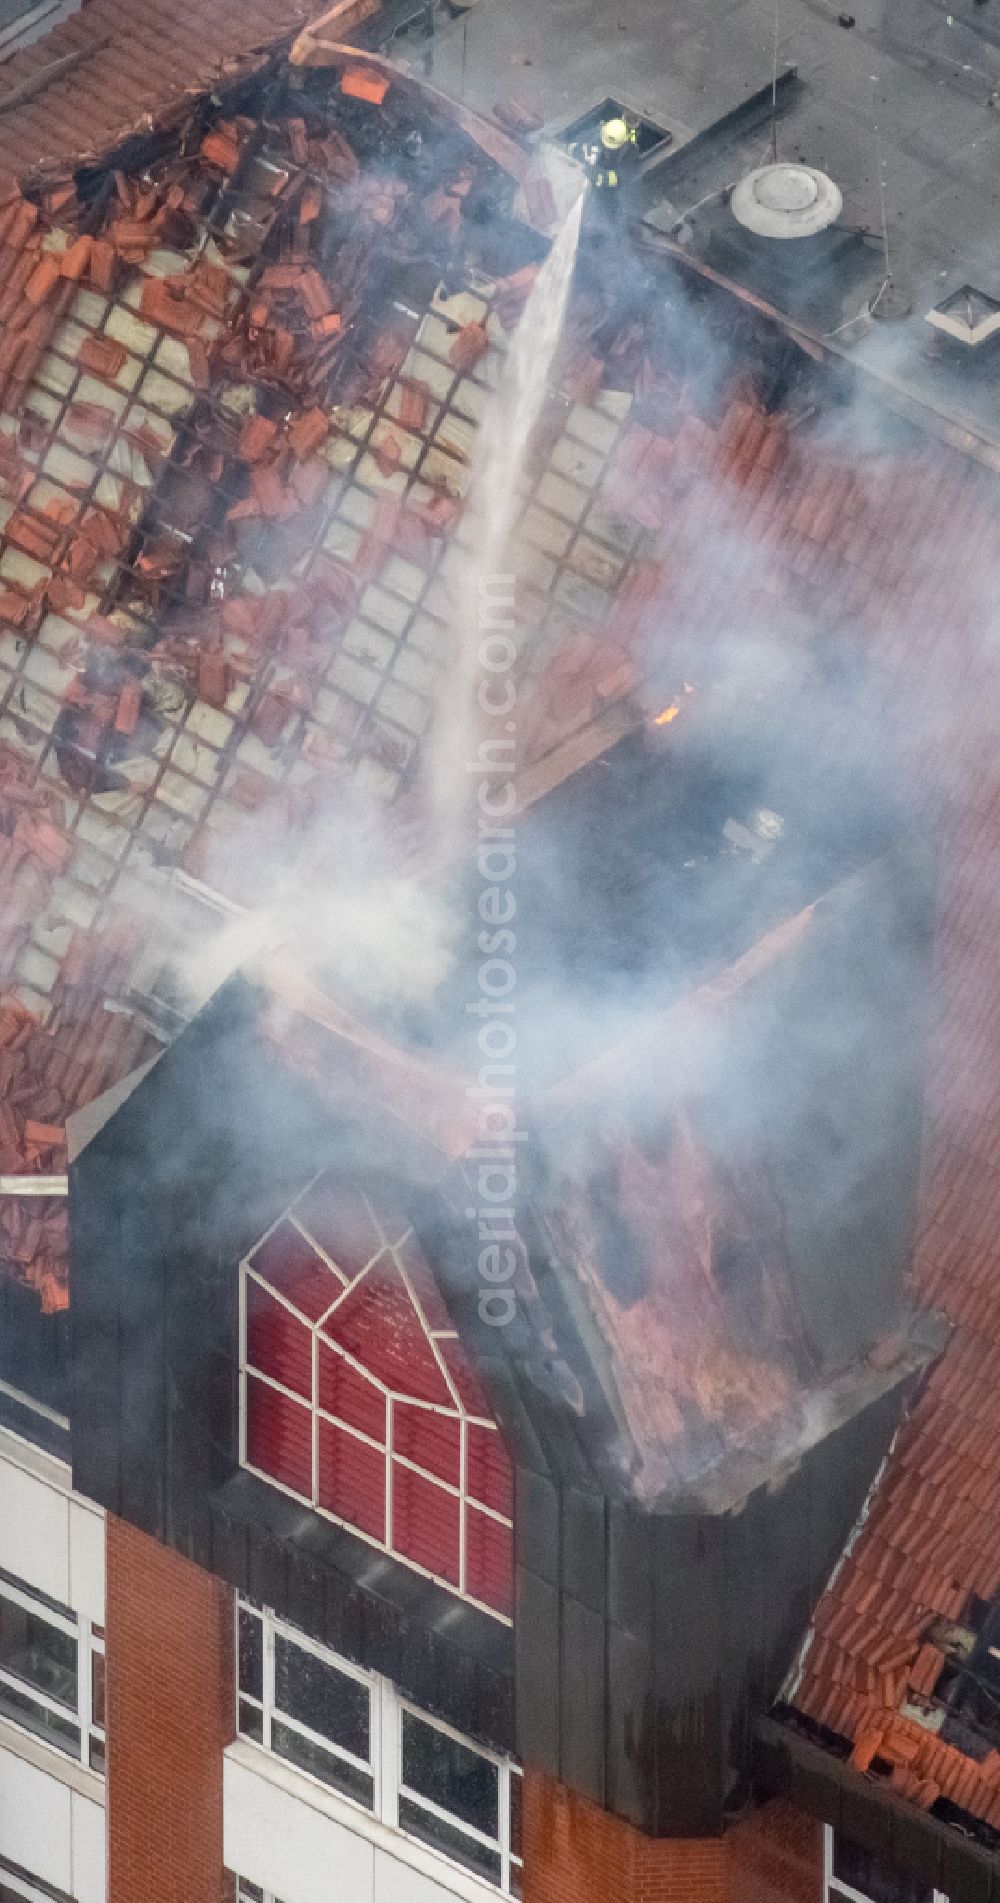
251 1721
98 1753
450 1774
38 1652
864 1872
322 1764
318 1695
448 1839
251 1650
97 1688
22 1709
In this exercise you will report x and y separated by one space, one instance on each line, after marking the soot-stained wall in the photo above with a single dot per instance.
165 1201
648 1644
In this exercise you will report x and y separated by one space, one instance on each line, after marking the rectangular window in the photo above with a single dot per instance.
349 1729
449 1795
298 1703
51 1672
855 1875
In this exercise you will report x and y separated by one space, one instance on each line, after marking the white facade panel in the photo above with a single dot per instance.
49 1826
36 1821
89 1883
397 1882
86 1562
290 1848
52 1817
49 1537
305 1844
34 1531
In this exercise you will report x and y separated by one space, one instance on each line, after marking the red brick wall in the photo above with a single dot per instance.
775 1855
170 1705
576 1853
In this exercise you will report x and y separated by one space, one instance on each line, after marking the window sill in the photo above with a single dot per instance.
54 1763
449 1876
36 1461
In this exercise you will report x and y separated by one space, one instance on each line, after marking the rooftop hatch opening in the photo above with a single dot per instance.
649 137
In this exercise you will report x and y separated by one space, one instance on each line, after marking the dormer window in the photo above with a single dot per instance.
357 1395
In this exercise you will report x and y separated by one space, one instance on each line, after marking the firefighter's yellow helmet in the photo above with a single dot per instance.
614 134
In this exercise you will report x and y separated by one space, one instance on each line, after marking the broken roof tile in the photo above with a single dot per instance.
364 82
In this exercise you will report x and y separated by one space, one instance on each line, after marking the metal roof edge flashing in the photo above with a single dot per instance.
787 1764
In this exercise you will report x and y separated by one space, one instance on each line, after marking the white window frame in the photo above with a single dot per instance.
467 1502
89 1641
386 1710
835 1889
274 1628
506 1770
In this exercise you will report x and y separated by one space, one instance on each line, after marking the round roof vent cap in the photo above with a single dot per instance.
786 201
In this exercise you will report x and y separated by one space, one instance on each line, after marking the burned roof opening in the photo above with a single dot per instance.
663 862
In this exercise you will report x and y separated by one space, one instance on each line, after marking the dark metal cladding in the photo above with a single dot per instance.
643 1669
165 1201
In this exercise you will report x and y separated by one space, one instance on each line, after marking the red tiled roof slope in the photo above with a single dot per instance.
931 1537
153 55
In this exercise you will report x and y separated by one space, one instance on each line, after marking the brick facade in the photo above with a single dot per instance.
775 1855
170 1716
577 1853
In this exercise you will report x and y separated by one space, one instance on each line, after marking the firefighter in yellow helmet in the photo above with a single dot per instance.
617 139
607 154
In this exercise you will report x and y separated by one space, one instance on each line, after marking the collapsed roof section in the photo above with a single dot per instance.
203 492
247 379
242 372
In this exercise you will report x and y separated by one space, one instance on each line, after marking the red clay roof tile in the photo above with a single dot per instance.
138 63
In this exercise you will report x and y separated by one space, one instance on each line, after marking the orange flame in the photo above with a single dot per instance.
669 713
